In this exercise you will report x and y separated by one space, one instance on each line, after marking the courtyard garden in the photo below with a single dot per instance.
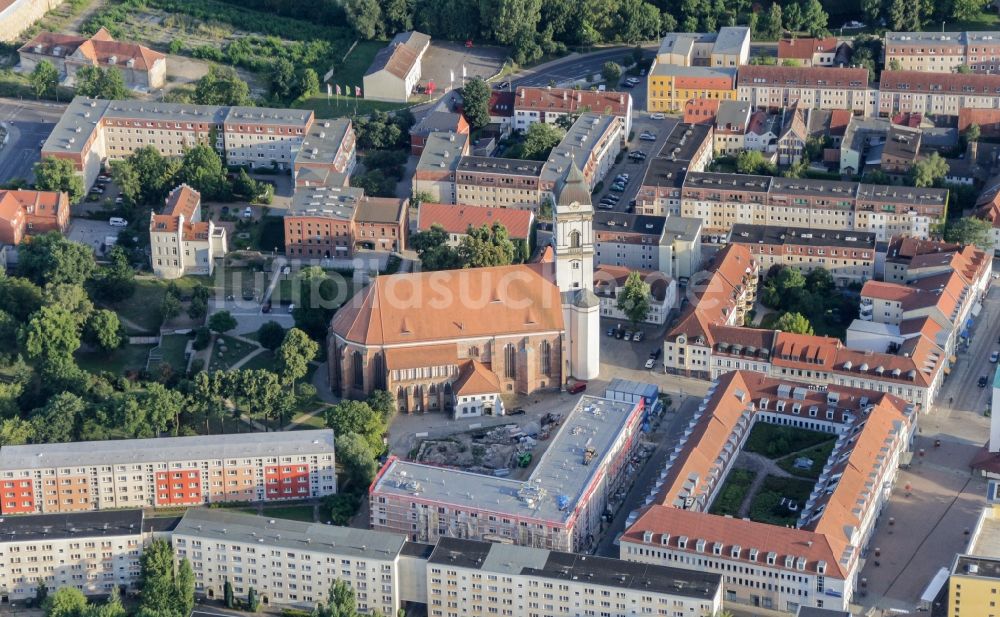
780 500
733 492
775 441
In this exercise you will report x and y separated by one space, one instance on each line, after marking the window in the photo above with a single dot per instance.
545 353
510 361
574 240
359 370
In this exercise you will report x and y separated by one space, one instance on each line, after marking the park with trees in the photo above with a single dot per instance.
805 304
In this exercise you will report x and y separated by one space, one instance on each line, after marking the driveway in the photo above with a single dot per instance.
636 171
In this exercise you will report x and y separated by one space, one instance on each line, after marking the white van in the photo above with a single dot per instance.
117 221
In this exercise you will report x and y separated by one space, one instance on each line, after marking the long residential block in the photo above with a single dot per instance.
722 200
943 52
293 564
936 94
166 472
778 87
92 131
90 551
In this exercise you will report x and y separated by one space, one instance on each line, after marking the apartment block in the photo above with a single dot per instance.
817 562
936 94
723 200
688 148
497 579
778 87
558 507
548 105
498 183
289 563
166 472
670 86
848 256
633 241
591 144
293 564
328 154
180 242
943 52
90 551
974 575
731 122
435 175
332 222
91 132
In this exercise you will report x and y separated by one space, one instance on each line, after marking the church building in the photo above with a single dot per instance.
533 326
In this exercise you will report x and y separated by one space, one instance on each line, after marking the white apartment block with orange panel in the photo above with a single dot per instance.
166 472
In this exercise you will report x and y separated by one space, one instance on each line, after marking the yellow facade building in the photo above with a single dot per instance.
670 86
974 584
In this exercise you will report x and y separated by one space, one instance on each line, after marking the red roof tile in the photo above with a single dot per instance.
456 219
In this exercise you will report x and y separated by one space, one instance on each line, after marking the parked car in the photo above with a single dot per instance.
983 381
994 357
611 331
655 354
117 221
576 387
628 335
518 411
657 116
650 363
605 206
247 212
503 85
647 137
637 337
619 334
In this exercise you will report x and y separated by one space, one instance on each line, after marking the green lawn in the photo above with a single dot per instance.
143 308
819 455
311 423
339 106
987 20
128 358
774 441
172 351
264 360
235 350
766 506
352 71
732 493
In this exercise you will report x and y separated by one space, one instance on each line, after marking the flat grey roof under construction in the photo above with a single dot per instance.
561 472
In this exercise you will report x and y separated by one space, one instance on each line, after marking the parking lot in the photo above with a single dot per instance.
635 169
444 59
92 233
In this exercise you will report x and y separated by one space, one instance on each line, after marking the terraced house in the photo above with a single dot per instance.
936 94
778 87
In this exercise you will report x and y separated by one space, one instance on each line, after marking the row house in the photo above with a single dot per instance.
779 87
491 182
849 257
670 86
331 222
943 52
166 472
936 94
723 200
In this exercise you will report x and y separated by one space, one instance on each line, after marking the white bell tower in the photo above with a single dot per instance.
573 229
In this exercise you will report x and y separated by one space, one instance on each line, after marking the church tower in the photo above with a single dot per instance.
573 228
573 231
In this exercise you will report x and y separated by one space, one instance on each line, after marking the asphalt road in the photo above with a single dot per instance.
28 124
570 69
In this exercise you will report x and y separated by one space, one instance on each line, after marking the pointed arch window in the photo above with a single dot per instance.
510 361
545 356
359 370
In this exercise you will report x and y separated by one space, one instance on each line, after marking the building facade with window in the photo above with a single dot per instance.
93 552
166 472
813 87
179 241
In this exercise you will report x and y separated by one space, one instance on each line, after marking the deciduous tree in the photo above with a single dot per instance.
222 86
539 140
65 602
928 171
970 230
357 417
100 83
52 174
270 335
633 299
221 322
357 459
611 72
486 246
44 79
103 330
476 102
795 323
294 355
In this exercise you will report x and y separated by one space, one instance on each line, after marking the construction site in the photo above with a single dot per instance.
560 504
503 451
